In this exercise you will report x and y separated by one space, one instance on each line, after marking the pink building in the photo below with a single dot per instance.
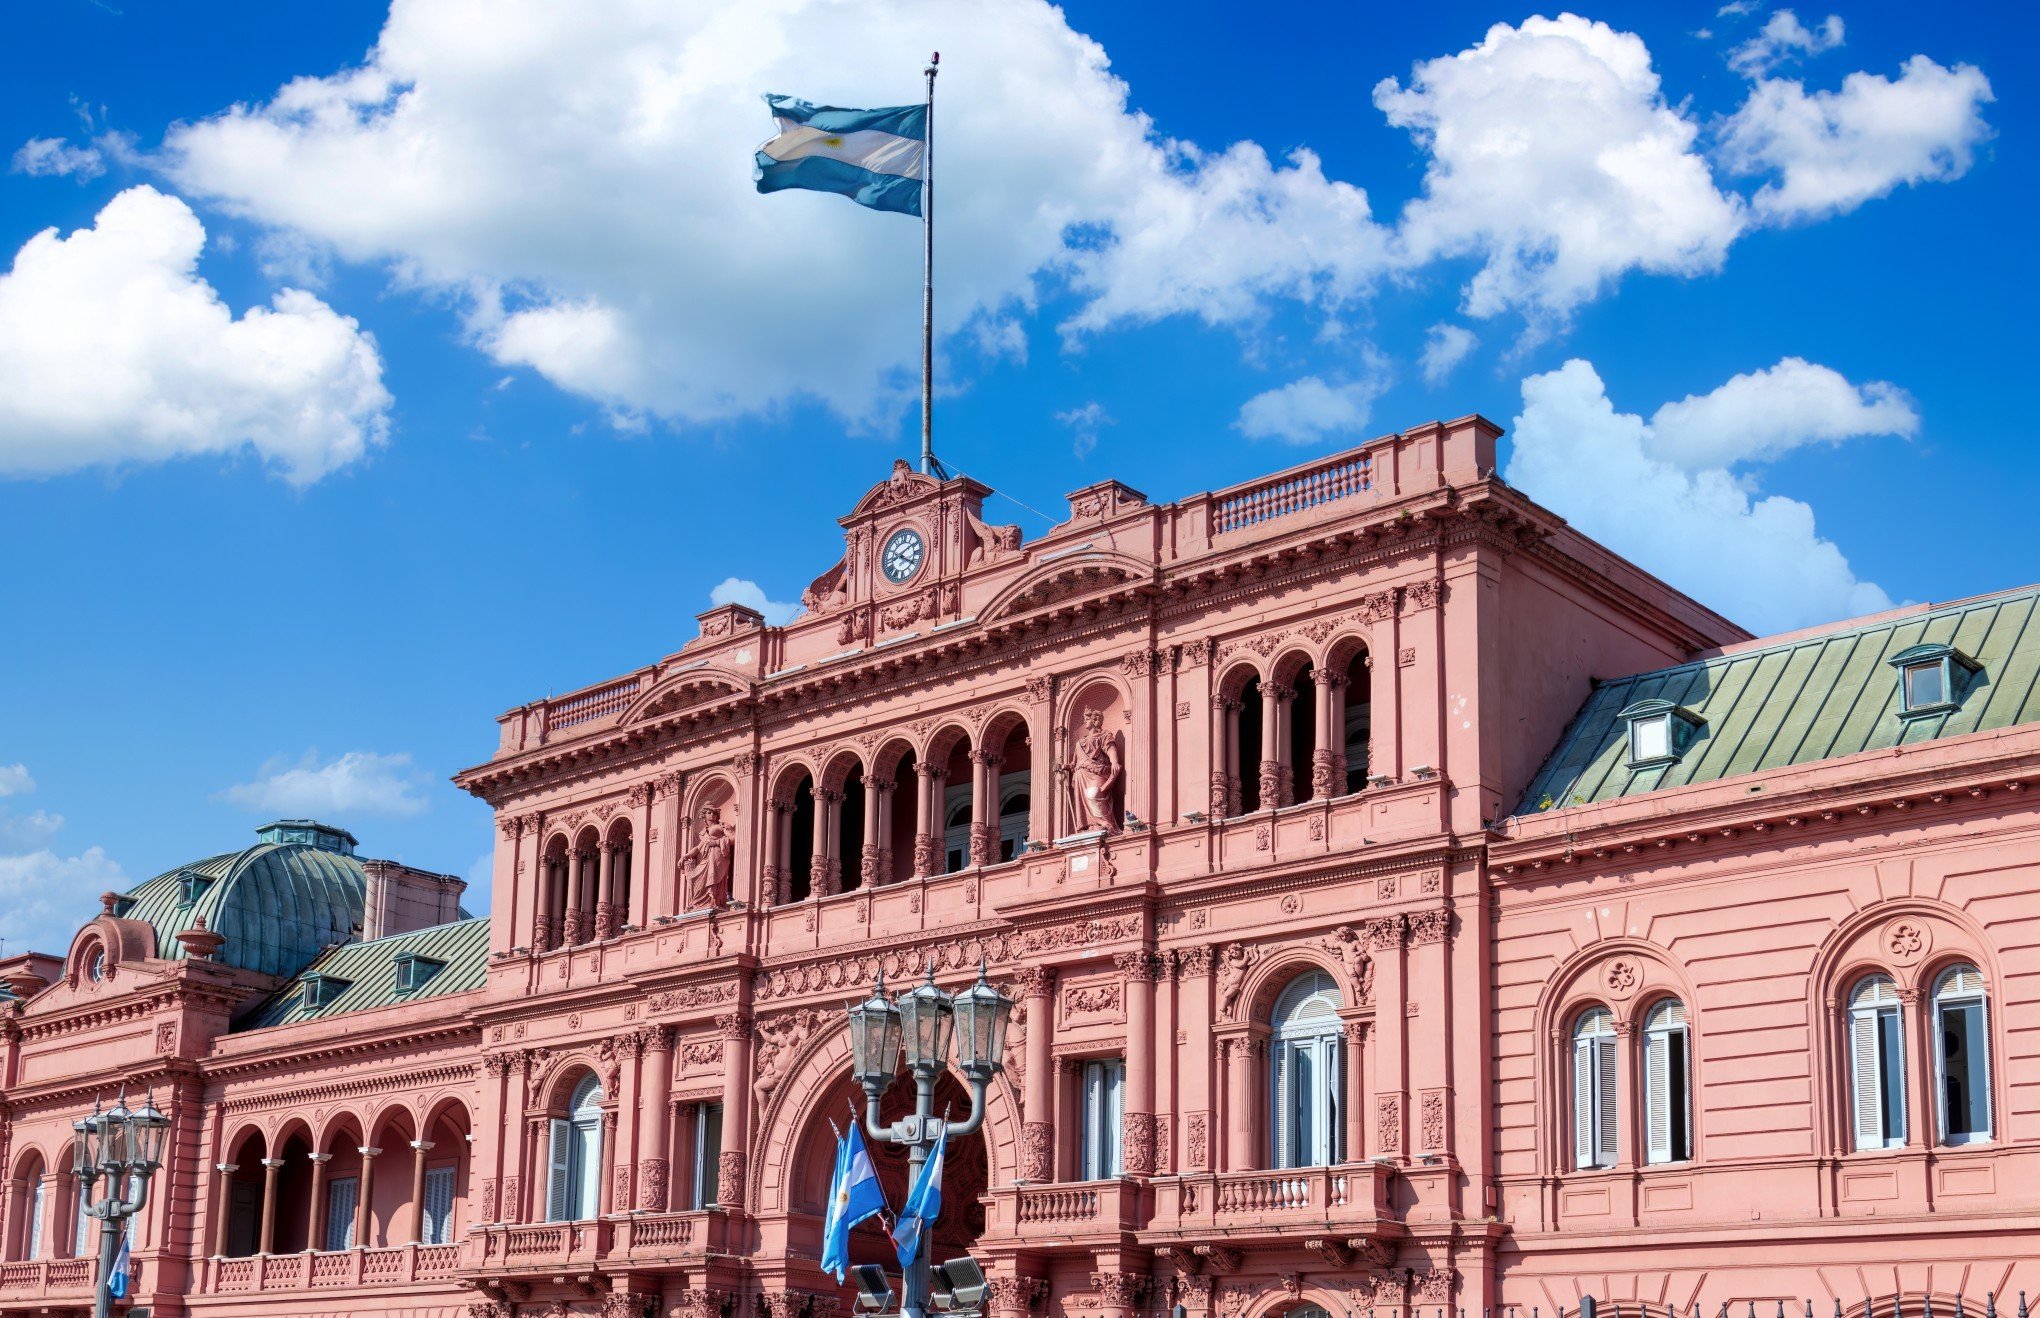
1410 903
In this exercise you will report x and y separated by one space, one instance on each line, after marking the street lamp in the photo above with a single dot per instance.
917 1026
125 1147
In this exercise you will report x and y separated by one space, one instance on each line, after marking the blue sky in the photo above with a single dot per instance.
364 374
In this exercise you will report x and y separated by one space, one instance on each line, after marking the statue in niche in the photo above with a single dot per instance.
705 869
1096 775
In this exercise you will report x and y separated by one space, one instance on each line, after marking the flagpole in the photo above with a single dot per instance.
928 464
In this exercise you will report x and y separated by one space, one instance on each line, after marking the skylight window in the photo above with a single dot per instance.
1659 732
413 971
324 990
1933 679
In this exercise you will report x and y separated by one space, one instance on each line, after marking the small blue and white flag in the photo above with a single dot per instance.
857 1195
873 157
117 1280
923 1206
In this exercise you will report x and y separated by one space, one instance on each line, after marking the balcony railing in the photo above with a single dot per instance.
1296 490
1080 1209
1354 1193
395 1265
46 1277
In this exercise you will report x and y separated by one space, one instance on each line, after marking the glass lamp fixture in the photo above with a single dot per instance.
926 1016
114 1129
875 1037
981 1015
148 1127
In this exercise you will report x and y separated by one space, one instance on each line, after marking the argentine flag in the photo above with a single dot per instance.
872 157
854 1194
923 1206
117 1280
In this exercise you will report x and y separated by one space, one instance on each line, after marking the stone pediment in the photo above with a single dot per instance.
904 487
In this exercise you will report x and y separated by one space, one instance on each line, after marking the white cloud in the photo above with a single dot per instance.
15 780
1703 528
737 590
1312 410
1085 422
29 831
44 897
1764 414
1737 9
1445 346
53 157
1834 151
1557 163
113 351
583 188
1782 38
357 783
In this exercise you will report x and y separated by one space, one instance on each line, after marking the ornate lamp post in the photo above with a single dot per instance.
124 1147
919 1024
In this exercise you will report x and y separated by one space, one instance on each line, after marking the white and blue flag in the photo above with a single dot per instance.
854 1194
923 1206
873 157
117 1280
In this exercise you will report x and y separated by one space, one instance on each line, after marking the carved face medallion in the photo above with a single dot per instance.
902 555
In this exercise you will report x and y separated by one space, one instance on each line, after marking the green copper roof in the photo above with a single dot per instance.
1816 698
278 906
369 972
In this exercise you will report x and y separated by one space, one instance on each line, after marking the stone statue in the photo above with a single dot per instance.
705 869
1096 775
1351 950
1233 964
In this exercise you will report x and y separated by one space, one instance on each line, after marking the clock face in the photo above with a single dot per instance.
901 557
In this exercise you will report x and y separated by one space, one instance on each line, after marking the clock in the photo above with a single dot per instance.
902 555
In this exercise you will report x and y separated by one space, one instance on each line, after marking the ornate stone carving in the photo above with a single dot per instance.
1429 926
1097 777
729 1177
1197 1141
1423 594
1233 964
1222 1258
1119 1290
1139 664
1193 960
1040 689
1035 981
1431 1119
489 1200
652 1185
1137 1142
1013 1295
1335 1253
1271 784
1384 933
1391 1288
705 866
1378 606
1224 796
1037 1151
779 1038
1091 999
1432 1285
1350 947
1323 783
1388 1123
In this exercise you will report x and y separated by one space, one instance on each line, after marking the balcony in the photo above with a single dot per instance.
554 1247
1083 1211
344 1269
1348 1200
51 1279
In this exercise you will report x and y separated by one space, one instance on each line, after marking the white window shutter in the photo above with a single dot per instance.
1605 1097
1657 1095
1282 1081
35 1221
82 1247
341 1194
1986 1111
588 1168
1867 1094
559 1174
1583 1102
1115 1108
1894 1080
1335 1100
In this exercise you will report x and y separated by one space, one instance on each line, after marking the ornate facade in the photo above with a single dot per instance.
1367 952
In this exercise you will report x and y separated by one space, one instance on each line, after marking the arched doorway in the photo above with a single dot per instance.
966 1173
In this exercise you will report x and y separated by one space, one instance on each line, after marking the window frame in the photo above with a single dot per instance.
1595 1084
1886 1018
1307 1046
1675 1037
344 1223
706 1115
1680 727
1101 1106
574 1156
1957 675
1941 1000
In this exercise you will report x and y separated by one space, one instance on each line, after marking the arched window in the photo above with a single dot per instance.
1014 804
1308 1074
1667 1084
25 1221
1877 1063
1962 1057
955 828
576 1163
1595 1128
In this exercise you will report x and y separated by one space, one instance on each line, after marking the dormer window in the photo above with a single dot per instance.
1659 732
192 886
1933 679
324 990
413 971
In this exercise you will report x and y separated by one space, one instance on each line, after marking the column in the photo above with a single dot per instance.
1356 1090
1041 762
416 1233
605 890
1242 1064
361 1215
1627 1093
1325 768
1137 1120
573 926
1194 1080
1391 1082
868 875
984 806
772 876
270 1167
825 868
1037 1133
1225 763
226 1172
736 1113
1274 738
655 1157
315 1229
927 822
